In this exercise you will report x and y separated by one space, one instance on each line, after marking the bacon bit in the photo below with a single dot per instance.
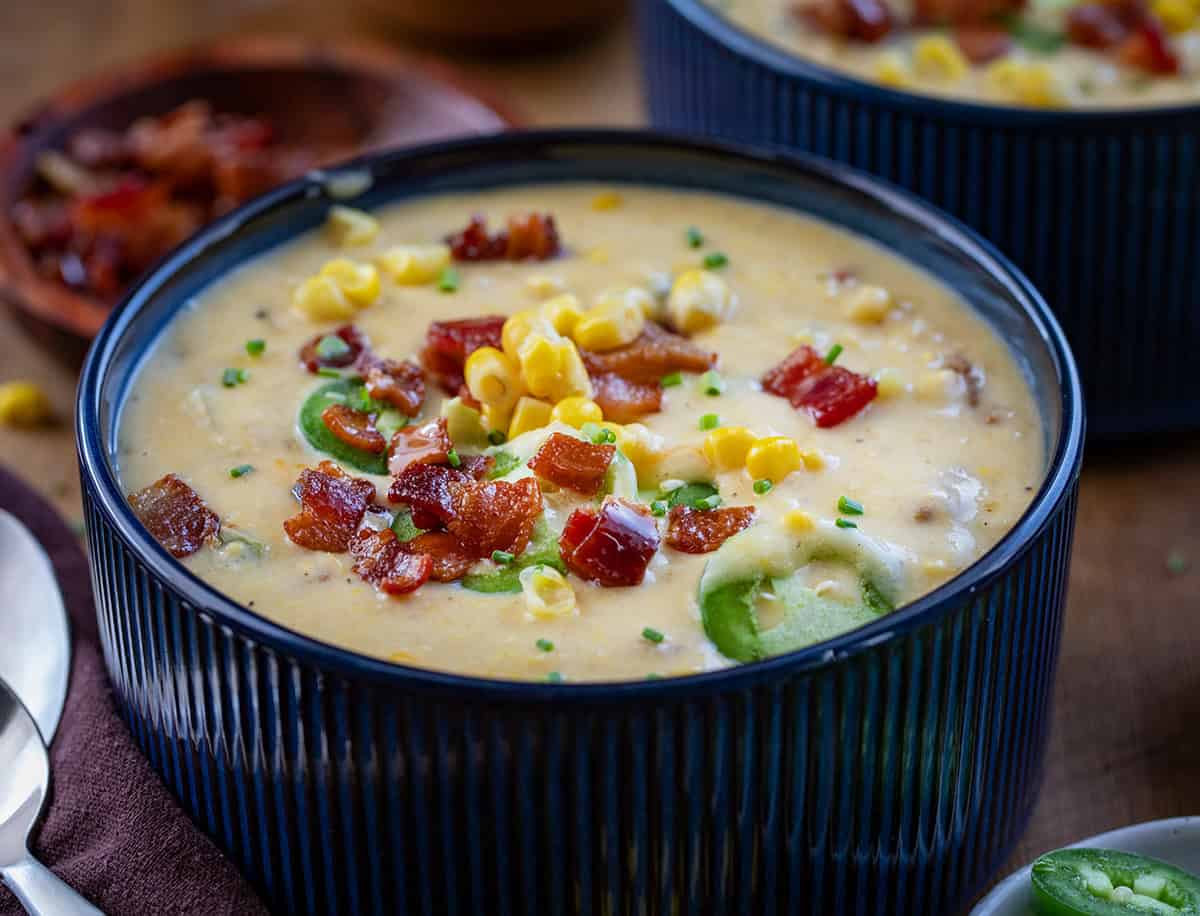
350 335
531 236
381 559
175 515
401 384
611 545
981 44
425 488
704 530
573 463
655 353
332 506
449 343
964 12
426 444
354 427
478 466
862 20
1096 25
623 401
490 515
451 558
829 394
1147 49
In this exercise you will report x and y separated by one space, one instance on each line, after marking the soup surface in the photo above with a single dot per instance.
837 434
1044 53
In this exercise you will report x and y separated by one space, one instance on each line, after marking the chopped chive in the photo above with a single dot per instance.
554 677
658 507
654 676
834 352
231 378
545 645
1177 563
240 471
711 383
695 238
452 459
846 523
502 557
762 486
708 502
604 437
256 347
710 421
715 260
449 280
332 347
328 372
671 379
653 635
497 437
849 506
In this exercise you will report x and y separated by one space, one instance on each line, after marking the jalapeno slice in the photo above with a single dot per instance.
1103 882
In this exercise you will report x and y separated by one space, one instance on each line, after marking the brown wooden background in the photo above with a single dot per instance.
1125 745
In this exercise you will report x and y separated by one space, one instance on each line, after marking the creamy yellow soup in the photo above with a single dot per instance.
1042 69
925 479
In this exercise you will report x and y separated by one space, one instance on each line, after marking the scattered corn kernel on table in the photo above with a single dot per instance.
1124 745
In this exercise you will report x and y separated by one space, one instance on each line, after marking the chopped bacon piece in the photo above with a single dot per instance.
401 384
332 506
611 545
655 353
624 401
573 463
489 515
451 558
861 20
478 466
381 559
972 375
962 12
530 236
349 334
449 343
354 427
1096 25
982 43
425 444
1147 49
829 394
425 488
703 530
175 515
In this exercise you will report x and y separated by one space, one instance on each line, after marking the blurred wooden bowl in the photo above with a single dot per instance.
515 23
340 94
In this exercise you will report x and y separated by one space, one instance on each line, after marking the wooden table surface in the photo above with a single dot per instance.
1125 744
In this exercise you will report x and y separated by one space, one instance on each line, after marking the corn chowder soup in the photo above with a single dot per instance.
1037 53
632 433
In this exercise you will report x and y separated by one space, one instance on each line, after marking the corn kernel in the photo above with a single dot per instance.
892 70
889 383
698 300
813 460
347 226
414 265
774 458
492 378
1033 84
563 313
495 417
726 448
643 448
552 368
547 594
606 200
868 304
629 297
797 521
614 321
464 424
24 405
543 286
516 328
321 299
936 57
359 282
598 255
1177 15
940 386
576 411
530 413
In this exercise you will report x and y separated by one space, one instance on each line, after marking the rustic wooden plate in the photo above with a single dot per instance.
344 94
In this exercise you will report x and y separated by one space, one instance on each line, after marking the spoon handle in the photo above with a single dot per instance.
42 892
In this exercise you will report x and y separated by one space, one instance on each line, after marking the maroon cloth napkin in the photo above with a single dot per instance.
112 830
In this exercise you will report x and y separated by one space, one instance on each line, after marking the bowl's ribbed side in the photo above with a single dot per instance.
1102 214
891 781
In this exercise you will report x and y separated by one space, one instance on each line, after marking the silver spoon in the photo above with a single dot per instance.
35 645
24 781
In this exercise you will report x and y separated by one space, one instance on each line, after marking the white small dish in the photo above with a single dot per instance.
1175 840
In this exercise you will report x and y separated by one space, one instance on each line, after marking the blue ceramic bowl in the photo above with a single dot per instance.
886 771
1101 209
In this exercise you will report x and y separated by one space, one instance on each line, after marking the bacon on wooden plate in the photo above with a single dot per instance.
829 394
354 427
428 443
572 463
175 515
332 505
703 530
383 560
395 382
449 343
351 336
490 515
528 237
611 545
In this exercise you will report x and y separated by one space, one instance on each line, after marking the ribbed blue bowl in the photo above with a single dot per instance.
886 771
1101 210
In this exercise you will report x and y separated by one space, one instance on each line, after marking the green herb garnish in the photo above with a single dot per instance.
502 557
652 635
715 260
256 347
231 378
554 677
710 421
402 526
691 494
658 507
695 238
328 372
846 523
318 435
240 471
834 352
671 379
449 280
542 551
762 486
1032 36
332 347
506 462
545 645
452 459
708 502
711 383
497 437
848 506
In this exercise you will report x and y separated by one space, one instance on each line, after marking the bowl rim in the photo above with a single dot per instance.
104 490
746 44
